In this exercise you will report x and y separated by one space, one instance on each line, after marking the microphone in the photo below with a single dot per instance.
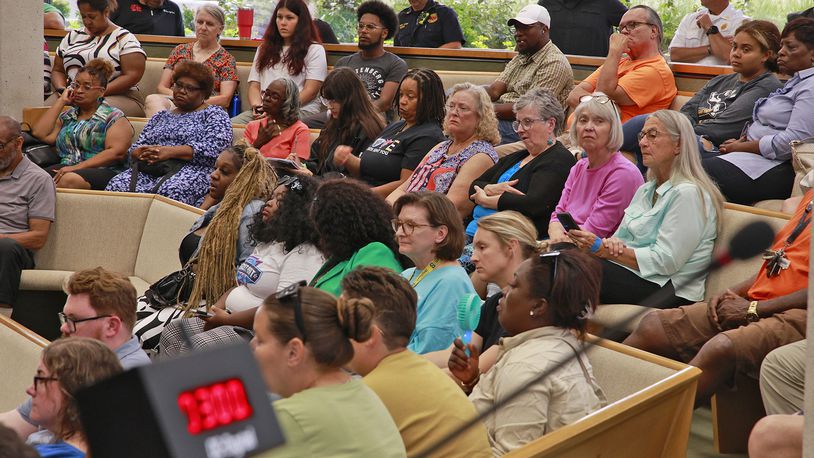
752 240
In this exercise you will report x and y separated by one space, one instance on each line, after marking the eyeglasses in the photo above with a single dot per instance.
266 95
600 98
525 123
326 102
185 87
38 380
408 227
4 144
551 257
291 294
651 135
460 109
84 87
630 26
368 27
63 318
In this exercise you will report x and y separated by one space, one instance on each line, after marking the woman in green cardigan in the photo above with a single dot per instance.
355 229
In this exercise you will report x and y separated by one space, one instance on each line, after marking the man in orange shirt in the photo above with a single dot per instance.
738 328
635 75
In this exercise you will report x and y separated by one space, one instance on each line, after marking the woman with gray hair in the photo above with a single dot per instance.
665 239
280 133
602 183
206 49
529 181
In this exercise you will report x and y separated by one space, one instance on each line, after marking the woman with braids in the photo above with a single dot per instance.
218 241
91 137
302 341
545 315
67 365
290 49
354 228
387 162
354 123
285 254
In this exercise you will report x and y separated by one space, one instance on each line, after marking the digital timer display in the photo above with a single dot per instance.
213 406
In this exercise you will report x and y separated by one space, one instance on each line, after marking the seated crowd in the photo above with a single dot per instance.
346 261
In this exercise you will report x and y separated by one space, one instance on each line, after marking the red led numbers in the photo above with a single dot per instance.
212 406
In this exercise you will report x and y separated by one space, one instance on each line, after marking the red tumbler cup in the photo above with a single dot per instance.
245 20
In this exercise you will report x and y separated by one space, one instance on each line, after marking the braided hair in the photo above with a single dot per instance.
431 96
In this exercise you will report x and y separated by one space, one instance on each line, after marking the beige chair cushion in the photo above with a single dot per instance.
165 226
140 285
772 204
20 357
621 375
614 315
44 280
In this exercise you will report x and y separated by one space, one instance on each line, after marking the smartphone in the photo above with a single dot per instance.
567 221
200 314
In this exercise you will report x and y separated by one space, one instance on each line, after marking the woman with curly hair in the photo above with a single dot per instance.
66 366
354 228
281 132
286 253
291 48
452 165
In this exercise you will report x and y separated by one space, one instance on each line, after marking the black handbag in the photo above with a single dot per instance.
40 153
173 289
164 169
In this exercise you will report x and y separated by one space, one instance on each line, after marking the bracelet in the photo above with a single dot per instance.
468 386
709 50
597 245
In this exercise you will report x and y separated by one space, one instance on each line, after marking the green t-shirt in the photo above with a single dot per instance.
373 254
346 420
46 8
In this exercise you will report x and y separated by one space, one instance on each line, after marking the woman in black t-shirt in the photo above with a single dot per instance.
392 157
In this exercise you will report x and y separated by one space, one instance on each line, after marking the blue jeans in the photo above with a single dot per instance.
507 133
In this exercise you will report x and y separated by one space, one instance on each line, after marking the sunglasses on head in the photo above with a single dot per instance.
291 295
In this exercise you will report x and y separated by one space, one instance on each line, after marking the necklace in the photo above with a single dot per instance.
424 272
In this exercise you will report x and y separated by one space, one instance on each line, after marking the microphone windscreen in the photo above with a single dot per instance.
752 240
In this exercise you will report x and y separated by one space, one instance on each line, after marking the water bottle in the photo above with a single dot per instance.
235 106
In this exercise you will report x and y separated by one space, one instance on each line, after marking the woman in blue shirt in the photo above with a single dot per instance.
666 236
430 232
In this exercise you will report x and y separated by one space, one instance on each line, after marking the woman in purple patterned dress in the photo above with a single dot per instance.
193 132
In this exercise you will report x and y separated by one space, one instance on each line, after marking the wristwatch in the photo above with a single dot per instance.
751 312
712 30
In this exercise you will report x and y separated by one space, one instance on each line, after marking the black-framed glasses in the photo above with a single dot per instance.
526 124
630 26
185 87
291 294
63 318
407 226
39 379
551 257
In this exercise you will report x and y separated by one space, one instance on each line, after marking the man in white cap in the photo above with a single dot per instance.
538 64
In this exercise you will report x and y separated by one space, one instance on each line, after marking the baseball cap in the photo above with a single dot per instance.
531 14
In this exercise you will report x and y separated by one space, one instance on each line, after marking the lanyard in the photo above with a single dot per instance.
430 267
804 220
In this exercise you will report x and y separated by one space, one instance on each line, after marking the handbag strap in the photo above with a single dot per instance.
133 175
585 372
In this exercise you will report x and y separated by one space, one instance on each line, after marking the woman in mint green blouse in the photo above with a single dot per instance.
302 341
355 229
666 236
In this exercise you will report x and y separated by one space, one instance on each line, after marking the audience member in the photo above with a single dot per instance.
601 185
664 242
705 36
429 232
206 49
429 24
721 109
503 241
782 379
101 37
530 180
290 49
149 17
392 157
66 366
777 436
546 317
52 17
583 26
280 133
756 165
809 13
353 125
285 254
218 242
91 137
425 404
452 165
27 205
380 70
101 306
354 228
186 139
539 63
302 341
47 88
739 326
12 446
635 75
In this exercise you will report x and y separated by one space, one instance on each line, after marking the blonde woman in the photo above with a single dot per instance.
206 49
452 165
665 238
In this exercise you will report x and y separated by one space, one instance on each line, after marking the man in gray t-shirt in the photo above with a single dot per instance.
27 201
381 71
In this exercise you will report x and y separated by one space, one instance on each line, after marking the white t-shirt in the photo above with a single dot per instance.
269 269
689 35
78 48
315 68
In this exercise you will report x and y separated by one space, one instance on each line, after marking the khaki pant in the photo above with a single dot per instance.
782 379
